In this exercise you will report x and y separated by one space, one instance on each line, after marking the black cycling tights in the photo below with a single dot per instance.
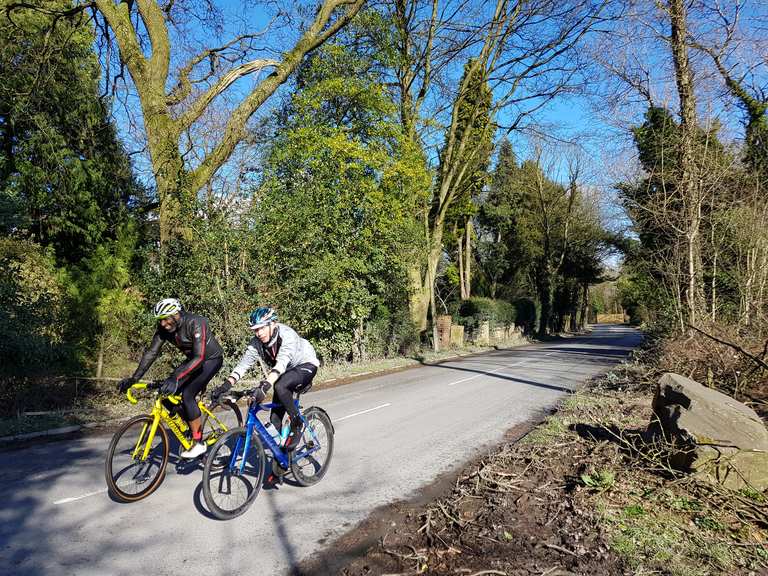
196 384
298 380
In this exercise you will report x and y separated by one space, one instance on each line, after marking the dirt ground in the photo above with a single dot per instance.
567 499
517 512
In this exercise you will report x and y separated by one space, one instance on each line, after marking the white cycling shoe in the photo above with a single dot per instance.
198 449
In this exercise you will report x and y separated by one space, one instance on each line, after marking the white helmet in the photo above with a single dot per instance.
167 307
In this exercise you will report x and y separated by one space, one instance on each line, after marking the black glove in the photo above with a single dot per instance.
260 392
126 383
220 390
169 386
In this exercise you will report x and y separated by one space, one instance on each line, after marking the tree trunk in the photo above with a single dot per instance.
460 258
433 310
419 298
584 305
423 285
100 361
713 288
468 259
546 296
688 185
170 177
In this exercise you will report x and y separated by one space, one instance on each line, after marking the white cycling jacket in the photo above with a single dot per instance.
285 351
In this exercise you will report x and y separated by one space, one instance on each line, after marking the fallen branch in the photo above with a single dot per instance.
736 347
561 549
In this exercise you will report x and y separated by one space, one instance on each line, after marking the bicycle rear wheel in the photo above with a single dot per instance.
310 460
130 476
230 488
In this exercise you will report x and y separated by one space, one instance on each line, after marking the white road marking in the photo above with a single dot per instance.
76 498
486 373
362 412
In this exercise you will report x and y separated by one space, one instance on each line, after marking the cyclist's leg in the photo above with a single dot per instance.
296 380
195 386
276 415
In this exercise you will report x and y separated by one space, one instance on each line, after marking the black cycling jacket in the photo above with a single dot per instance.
192 337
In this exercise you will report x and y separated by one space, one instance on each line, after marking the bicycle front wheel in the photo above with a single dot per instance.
310 460
225 416
230 488
130 476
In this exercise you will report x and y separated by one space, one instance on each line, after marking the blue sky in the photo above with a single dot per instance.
600 125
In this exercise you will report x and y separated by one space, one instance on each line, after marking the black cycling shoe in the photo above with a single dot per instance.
274 480
294 437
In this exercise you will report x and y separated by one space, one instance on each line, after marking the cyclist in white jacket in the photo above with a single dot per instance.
292 365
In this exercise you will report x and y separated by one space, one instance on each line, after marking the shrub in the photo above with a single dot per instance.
32 309
473 311
527 314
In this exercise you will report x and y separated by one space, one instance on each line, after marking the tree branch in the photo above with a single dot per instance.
236 126
183 87
736 347
198 106
118 17
154 22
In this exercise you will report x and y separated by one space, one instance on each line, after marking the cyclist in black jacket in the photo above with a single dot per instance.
190 334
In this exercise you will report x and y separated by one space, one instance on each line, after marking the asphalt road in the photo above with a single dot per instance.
394 434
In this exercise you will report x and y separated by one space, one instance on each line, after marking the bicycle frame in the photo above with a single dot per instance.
160 413
253 424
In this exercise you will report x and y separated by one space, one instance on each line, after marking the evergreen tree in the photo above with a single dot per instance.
66 188
503 255
64 177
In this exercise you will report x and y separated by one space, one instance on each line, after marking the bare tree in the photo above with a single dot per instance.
525 50
171 104
739 58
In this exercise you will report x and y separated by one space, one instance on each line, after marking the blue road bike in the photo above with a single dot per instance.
235 467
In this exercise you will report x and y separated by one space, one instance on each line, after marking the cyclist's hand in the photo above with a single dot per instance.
220 390
258 395
126 383
265 386
169 386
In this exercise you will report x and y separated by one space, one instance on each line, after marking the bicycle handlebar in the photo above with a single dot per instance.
174 398
237 394
139 386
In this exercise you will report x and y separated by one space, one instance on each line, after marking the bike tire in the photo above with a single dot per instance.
227 491
310 469
212 431
147 474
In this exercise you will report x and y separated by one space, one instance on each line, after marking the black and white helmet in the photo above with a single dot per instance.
167 307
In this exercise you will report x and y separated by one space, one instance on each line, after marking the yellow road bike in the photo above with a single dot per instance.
139 451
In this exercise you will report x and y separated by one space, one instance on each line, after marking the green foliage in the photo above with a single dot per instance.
526 314
502 254
32 308
65 187
730 224
599 480
64 177
475 127
335 213
475 310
